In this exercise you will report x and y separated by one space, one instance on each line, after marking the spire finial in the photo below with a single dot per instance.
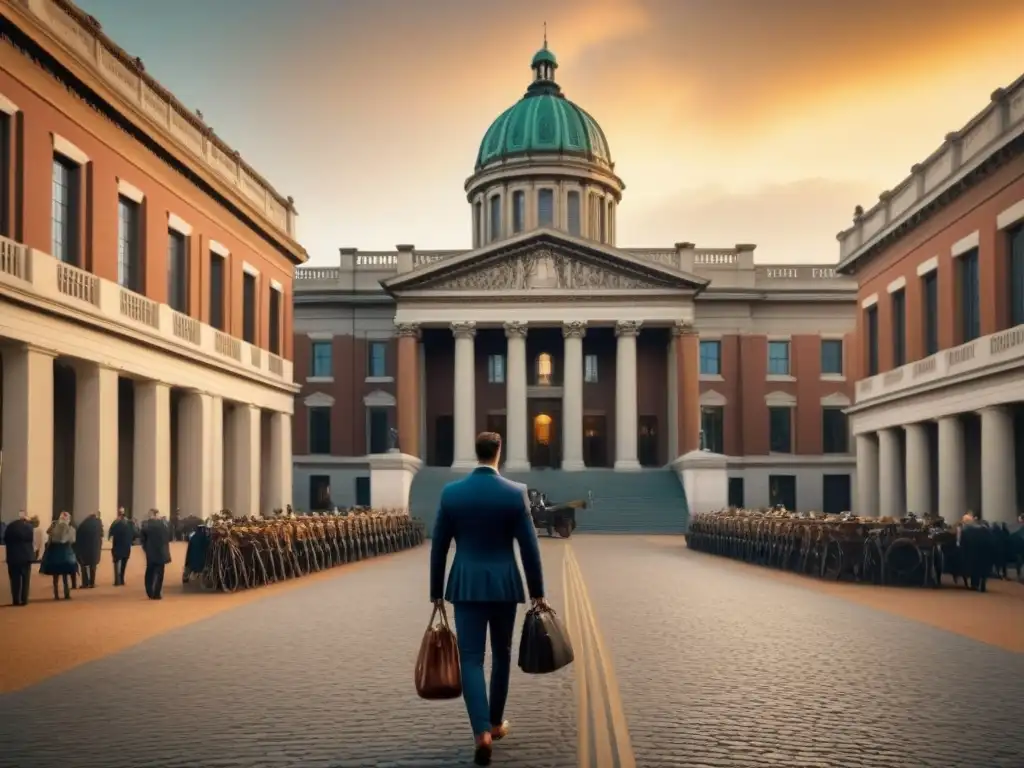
545 35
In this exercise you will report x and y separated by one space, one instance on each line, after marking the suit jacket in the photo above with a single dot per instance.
485 513
19 536
122 536
156 541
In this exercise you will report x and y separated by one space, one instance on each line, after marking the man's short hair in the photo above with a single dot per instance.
488 444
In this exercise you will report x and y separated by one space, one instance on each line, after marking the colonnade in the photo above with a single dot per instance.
885 480
214 470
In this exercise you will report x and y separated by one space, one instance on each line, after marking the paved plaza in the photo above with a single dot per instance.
682 660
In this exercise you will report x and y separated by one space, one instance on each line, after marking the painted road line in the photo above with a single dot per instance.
619 724
575 628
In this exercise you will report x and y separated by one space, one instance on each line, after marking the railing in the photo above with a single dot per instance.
973 358
33 273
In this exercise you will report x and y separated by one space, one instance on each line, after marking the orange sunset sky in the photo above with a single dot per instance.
730 121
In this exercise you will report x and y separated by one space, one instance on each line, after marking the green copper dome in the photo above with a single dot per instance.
544 122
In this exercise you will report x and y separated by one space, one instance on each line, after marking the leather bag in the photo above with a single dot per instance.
438 674
544 646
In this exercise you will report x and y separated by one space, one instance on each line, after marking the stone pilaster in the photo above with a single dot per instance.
279 480
152 449
517 457
408 386
918 471
867 475
890 474
244 480
96 441
572 397
952 470
626 419
687 358
465 395
998 471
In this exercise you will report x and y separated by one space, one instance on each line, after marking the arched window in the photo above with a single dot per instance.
545 369
542 429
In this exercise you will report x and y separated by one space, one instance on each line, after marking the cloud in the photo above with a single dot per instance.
790 223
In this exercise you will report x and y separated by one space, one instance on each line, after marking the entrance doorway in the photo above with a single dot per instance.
782 490
545 434
595 441
647 441
444 441
835 494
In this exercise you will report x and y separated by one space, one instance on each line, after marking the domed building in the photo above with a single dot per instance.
603 367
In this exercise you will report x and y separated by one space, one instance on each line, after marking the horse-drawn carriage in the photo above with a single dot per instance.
560 518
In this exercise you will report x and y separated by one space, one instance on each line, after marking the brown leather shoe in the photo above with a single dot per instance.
499 732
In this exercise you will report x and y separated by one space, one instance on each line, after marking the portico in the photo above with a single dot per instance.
549 319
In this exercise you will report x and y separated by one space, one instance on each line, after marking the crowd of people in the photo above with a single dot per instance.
70 554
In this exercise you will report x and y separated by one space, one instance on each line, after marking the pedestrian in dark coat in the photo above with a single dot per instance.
156 543
89 547
59 558
978 548
18 538
122 536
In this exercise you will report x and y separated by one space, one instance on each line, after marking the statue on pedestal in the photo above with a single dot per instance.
393 440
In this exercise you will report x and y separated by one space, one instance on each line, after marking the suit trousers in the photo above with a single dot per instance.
120 564
20 576
154 580
471 623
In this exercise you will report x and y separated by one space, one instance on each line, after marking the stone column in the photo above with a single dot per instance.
890 474
572 397
244 485
279 486
919 470
867 475
408 386
626 422
687 409
96 441
952 470
27 433
195 462
152 450
998 466
215 500
465 395
517 457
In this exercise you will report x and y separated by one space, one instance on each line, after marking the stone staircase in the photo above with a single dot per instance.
649 501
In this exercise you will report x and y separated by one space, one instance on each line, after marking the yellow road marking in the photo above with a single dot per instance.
605 702
575 627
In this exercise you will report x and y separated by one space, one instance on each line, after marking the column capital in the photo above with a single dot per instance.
998 410
574 329
407 329
515 329
628 327
464 330
27 347
683 328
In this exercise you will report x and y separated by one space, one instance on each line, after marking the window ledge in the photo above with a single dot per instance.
711 377
380 379
833 377
780 453
779 377
319 379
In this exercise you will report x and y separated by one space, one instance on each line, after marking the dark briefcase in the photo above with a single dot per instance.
544 646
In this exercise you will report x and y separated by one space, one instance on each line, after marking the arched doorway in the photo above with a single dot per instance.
545 440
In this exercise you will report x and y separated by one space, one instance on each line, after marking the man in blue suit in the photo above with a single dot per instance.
484 513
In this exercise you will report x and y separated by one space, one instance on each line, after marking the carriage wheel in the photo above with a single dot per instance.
564 530
899 565
832 561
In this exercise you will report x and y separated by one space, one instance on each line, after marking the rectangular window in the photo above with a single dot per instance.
6 173
66 210
379 430
496 369
736 494
712 428
320 492
129 231
711 359
545 208
1016 249
871 321
495 213
778 358
573 213
377 361
834 432
518 211
177 271
322 365
899 328
275 321
590 369
930 310
780 429
249 296
832 357
970 297
320 430
217 291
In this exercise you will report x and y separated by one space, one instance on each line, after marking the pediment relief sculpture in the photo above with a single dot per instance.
542 269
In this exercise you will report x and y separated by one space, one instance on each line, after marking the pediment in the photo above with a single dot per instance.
712 399
379 399
779 400
836 400
318 400
548 262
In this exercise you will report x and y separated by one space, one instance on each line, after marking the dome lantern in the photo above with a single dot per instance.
544 64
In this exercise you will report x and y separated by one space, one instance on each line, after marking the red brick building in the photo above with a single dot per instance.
940 266
582 353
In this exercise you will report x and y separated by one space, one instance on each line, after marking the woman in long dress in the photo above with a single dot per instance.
59 559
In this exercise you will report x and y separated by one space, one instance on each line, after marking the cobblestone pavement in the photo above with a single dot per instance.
725 666
716 666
